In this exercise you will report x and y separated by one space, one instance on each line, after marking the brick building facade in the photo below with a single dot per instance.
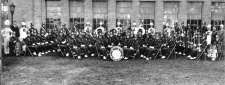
126 11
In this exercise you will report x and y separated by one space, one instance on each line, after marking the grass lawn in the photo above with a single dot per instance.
66 71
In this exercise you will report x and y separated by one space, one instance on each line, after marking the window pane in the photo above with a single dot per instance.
195 10
171 10
147 10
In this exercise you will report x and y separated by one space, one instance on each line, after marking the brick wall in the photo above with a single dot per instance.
34 10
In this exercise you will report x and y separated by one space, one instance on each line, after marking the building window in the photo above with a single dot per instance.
195 14
123 12
147 12
100 13
54 13
218 14
146 23
77 14
52 22
125 23
171 11
77 23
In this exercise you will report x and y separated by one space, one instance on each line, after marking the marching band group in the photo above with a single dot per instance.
192 42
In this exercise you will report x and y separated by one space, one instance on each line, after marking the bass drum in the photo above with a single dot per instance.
116 53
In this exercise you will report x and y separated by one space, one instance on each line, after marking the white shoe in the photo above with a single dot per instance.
179 53
147 59
142 56
39 54
163 57
67 54
53 51
189 56
85 56
92 54
213 59
79 57
104 58
34 53
125 58
192 58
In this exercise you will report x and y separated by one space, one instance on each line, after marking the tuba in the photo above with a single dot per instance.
99 31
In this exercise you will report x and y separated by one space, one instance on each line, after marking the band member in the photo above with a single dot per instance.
101 43
15 29
221 45
135 29
119 28
7 34
180 48
23 31
204 28
129 43
32 40
168 42
209 35
147 46
168 31
62 41
23 35
88 28
41 40
213 48
151 30
100 28
142 29
222 40
65 29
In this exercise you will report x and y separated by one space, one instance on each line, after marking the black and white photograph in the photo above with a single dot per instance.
112 42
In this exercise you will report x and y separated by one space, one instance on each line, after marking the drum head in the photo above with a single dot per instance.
116 53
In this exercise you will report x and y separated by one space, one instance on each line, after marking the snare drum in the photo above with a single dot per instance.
116 53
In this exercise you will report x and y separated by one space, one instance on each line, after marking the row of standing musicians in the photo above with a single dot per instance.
136 42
